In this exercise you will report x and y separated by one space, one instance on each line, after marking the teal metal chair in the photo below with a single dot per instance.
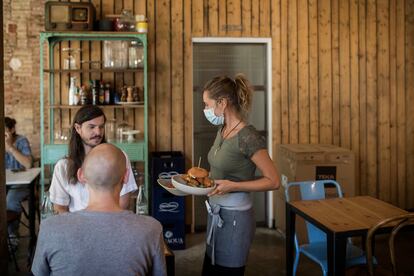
316 248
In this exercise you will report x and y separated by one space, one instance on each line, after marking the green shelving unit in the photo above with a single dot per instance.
51 152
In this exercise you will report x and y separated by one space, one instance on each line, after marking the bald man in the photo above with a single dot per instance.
103 239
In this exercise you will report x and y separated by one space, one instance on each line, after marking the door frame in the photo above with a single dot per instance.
268 42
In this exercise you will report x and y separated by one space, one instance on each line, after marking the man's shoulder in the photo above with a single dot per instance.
54 221
62 163
147 220
145 224
140 219
137 221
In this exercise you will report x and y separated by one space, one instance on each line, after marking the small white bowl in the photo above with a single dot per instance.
181 185
164 183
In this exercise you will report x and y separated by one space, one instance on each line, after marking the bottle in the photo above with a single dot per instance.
130 98
76 97
107 93
47 207
116 99
101 94
142 203
72 90
83 95
95 93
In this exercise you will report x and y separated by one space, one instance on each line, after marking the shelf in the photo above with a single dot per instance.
101 106
106 70
57 36
92 33
53 152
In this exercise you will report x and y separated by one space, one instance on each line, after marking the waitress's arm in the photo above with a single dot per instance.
269 171
269 181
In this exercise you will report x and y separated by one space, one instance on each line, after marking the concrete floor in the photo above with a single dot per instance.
267 255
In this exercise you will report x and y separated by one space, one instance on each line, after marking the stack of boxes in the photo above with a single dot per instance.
305 162
167 208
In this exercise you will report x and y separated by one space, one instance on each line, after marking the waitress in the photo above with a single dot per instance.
236 153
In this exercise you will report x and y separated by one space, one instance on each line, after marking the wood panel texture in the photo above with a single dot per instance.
341 72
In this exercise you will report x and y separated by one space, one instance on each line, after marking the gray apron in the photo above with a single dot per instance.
230 229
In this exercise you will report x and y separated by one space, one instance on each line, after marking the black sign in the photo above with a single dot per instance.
325 173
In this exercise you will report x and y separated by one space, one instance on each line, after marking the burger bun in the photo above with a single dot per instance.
197 173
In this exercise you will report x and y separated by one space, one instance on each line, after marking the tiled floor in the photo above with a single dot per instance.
267 255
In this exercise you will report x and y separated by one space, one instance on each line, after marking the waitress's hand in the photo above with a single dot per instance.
222 187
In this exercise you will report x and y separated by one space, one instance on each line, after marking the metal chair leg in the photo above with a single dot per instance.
296 262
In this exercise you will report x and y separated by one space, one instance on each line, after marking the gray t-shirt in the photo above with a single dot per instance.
99 243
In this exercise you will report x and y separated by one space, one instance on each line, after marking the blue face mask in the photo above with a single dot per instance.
213 118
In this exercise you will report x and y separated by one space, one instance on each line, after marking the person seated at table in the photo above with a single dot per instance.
102 239
18 156
87 131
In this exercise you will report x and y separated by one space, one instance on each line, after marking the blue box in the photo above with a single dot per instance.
166 206
174 234
166 162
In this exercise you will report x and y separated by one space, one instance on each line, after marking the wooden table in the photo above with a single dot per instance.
339 218
27 178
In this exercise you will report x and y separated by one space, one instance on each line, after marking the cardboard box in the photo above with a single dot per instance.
307 162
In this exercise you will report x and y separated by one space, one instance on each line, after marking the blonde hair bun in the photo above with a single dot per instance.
244 93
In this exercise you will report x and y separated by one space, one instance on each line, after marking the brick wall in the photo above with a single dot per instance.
23 20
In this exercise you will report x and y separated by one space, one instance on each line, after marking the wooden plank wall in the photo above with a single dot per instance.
342 74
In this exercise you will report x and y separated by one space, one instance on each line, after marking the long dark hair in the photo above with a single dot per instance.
76 152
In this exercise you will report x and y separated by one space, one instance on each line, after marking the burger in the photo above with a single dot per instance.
198 177
197 173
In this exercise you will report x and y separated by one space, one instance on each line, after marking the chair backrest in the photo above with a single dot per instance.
313 190
400 222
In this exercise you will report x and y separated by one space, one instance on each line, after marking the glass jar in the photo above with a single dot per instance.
141 23
135 55
115 54
70 61
122 127
126 22
110 130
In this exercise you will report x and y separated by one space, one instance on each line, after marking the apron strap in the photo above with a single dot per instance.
216 221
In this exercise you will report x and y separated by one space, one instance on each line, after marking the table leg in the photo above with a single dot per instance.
336 248
32 222
290 238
